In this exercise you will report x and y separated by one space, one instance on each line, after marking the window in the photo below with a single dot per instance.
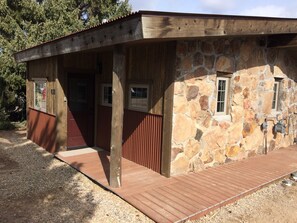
275 95
222 95
139 97
106 98
40 94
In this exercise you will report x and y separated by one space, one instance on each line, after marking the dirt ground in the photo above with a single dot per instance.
35 187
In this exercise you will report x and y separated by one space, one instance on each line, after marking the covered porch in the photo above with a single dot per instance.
188 196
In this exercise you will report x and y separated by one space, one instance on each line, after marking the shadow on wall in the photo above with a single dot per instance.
42 129
38 188
142 136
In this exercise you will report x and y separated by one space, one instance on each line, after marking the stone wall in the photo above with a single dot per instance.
202 139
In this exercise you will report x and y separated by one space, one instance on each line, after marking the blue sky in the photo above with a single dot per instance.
274 8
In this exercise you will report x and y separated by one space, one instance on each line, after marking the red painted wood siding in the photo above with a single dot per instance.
142 136
41 128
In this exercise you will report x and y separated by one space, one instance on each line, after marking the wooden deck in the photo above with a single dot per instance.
185 196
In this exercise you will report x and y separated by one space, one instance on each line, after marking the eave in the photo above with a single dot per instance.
157 26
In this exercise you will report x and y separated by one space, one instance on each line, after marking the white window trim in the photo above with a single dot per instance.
148 97
39 80
277 83
226 99
102 95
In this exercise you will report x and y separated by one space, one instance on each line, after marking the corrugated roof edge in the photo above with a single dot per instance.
162 13
157 13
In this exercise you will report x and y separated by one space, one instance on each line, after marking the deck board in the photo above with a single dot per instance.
185 196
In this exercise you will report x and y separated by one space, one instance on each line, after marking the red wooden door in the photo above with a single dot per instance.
80 118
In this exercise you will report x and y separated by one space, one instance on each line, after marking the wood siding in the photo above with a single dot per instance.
79 62
146 65
52 70
142 136
41 128
45 68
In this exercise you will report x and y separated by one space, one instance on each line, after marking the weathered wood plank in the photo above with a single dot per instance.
122 31
182 26
118 88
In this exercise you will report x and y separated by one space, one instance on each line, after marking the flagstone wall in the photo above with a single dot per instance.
202 139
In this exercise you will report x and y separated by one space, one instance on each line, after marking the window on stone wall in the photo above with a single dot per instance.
106 94
139 97
40 94
275 100
222 95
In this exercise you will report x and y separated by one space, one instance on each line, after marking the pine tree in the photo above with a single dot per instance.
26 23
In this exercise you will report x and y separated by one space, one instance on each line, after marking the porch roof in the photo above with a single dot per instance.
158 26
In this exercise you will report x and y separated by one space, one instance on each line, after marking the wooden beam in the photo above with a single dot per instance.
125 30
156 26
118 88
170 71
193 26
282 41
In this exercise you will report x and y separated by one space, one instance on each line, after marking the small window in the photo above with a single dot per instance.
275 95
40 94
222 95
139 97
106 98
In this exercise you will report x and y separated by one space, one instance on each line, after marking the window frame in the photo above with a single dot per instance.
226 98
276 95
136 108
102 95
35 81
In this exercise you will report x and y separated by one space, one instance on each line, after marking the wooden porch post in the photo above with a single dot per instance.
168 108
118 89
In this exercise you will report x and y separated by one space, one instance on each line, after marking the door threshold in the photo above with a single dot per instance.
79 151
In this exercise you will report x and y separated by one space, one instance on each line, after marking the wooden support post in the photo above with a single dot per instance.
118 88
168 108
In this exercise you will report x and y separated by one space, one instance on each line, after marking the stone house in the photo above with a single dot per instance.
260 82
174 92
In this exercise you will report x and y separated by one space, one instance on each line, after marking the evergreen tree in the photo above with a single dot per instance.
26 23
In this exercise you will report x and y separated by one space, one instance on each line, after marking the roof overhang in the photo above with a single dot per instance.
146 25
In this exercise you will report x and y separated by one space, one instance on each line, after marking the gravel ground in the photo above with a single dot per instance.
34 187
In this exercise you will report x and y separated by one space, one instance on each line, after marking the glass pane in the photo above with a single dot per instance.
139 97
40 95
107 95
221 95
274 96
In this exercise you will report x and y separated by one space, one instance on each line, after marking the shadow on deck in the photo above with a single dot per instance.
185 196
